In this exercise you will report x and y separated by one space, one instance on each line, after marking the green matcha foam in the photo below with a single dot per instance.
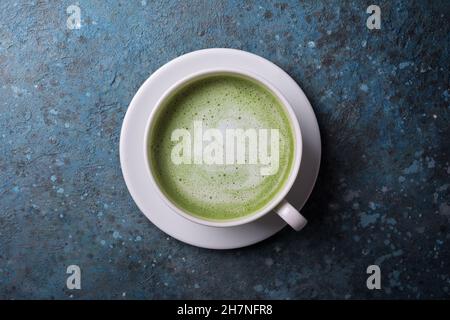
228 191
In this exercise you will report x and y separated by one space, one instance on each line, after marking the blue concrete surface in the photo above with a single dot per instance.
381 98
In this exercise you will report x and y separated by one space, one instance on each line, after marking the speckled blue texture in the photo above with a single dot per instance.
381 98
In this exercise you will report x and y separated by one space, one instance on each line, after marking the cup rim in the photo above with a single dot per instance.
298 146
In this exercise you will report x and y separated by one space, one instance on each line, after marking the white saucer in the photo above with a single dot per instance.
134 165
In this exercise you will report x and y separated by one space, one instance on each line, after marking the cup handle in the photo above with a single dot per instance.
291 215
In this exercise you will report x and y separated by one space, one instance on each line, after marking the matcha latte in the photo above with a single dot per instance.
195 115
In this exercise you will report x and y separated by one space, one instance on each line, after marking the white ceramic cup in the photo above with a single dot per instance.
278 204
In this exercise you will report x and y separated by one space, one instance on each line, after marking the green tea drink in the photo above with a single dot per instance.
230 189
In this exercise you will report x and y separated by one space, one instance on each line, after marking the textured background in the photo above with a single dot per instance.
381 98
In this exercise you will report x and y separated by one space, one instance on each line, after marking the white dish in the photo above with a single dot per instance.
134 164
